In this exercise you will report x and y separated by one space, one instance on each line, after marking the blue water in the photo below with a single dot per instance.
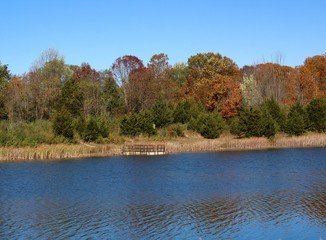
273 194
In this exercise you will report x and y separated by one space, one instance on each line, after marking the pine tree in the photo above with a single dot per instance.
316 111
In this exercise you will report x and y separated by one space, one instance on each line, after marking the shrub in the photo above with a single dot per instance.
182 112
92 130
162 114
316 111
295 124
276 113
138 123
210 125
63 124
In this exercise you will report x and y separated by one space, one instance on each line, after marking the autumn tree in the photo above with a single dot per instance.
271 81
89 82
44 83
16 101
140 89
122 68
317 67
214 80
302 87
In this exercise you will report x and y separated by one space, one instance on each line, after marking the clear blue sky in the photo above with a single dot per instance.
99 31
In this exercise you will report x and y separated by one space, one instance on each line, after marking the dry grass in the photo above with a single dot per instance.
191 143
59 151
229 142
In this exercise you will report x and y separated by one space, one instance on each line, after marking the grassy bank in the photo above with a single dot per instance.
190 143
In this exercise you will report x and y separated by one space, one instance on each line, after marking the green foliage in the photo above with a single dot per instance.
162 114
71 97
250 123
234 126
21 134
63 124
296 123
268 124
276 113
182 112
316 111
112 97
92 130
254 123
4 78
138 123
209 125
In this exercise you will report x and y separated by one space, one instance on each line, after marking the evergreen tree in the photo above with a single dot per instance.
316 111
296 124
182 112
162 114
92 130
250 123
210 125
63 124
275 112
138 123
268 124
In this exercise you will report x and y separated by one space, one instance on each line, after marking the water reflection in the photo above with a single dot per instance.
253 195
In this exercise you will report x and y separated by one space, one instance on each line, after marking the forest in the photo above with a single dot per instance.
55 102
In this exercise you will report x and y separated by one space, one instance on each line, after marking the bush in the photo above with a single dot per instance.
316 111
92 130
210 125
295 124
63 124
182 112
276 113
162 114
138 123
268 125
20 134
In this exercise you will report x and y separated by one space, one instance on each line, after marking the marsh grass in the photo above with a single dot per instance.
192 142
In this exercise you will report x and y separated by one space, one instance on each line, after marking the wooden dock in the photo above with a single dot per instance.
141 149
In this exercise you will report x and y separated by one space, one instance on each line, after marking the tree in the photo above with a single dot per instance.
4 80
111 94
275 111
63 124
272 80
15 102
182 112
210 125
159 65
302 86
316 111
138 123
317 68
89 81
296 123
249 90
71 98
162 114
122 68
44 82
214 81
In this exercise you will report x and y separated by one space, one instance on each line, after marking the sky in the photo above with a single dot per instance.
99 31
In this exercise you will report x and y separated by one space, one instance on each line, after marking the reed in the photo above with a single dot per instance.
190 143
58 151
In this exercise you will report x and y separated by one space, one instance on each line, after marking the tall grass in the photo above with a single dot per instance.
57 151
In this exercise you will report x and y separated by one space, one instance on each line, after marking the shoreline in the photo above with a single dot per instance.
186 144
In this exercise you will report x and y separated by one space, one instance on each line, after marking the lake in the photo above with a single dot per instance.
270 194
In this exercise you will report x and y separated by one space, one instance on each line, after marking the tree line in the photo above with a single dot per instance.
208 94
